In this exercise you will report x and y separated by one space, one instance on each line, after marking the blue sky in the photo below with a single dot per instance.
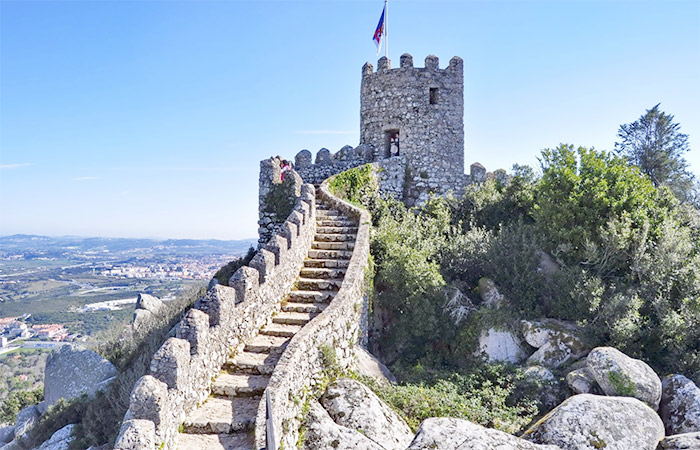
149 118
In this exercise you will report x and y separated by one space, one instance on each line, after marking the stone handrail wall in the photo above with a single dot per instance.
339 326
220 322
328 164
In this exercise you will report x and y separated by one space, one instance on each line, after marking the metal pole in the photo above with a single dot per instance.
386 19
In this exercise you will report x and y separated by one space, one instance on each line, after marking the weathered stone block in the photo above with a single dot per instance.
136 435
194 328
264 263
217 303
290 231
149 401
406 61
171 363
432 62
245 282
323 156
303 159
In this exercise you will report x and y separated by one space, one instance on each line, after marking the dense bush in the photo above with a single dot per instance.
224 273
17 401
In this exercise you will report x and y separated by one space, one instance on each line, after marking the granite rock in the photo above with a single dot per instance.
680 405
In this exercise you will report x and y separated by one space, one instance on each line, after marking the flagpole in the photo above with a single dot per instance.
386 34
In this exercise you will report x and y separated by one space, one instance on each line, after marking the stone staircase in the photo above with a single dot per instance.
226 420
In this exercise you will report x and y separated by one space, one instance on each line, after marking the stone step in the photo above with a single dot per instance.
293 318
329 254
311 284
241 385
234 441
278 329
315 272
253 363
266 344
335 237
335 223
323 213
313 308
319 245
223 415
336 230
311 296
327 263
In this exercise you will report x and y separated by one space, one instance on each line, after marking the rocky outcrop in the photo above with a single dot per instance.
60 440
557 342
456 434
618 374
680 405
489 293
323 432
549 392
25 421
686 441
501 345
73 371
351 404
368 365
581 381
588 422
6 434
148 309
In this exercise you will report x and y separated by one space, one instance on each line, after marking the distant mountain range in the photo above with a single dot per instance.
33 243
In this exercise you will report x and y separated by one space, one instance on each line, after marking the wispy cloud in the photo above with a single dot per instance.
325 132
14 166
86 178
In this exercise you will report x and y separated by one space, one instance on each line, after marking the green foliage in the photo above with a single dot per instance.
59 415
622 383
354 185
17 401
492 395
225 272
655 144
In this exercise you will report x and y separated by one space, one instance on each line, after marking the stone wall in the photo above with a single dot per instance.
327 164
219 323
340 326
426 107
275 197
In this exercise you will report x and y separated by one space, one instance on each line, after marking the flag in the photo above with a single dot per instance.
379 32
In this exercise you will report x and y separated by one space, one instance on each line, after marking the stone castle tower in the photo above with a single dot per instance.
424 108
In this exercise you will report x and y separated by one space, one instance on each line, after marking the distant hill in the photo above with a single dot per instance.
26 242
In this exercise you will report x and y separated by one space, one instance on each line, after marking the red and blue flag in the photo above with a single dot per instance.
379 32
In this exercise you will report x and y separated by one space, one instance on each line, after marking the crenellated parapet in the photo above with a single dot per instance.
218 325
327 164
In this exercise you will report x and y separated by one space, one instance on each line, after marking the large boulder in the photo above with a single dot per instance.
73 371
446 433
557 342
588 422
685 441
368 365
549 391
60 440
680 405
322 432
7 434
25 421
501 345
351 404
581 381
150 303
618 374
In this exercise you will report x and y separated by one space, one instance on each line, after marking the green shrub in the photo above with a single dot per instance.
17 401
355 185
225 272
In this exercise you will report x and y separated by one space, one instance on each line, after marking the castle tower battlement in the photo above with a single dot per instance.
424 108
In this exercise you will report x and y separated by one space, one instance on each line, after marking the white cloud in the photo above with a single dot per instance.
325 132
14 166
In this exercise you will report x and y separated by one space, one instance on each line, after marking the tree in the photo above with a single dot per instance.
655 144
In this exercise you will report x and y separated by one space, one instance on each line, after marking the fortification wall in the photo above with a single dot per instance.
327 164
340 326
426 107
219 323
275 197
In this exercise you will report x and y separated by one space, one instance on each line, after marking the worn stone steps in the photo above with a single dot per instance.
298 296
242 385
334 238
293 318
223 415
266 344
321 273
327 263
277 329
226 419
336 229
329 254
235 441
314 284
253 363
322 245
313 308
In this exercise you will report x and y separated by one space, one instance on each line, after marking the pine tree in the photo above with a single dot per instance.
655 144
